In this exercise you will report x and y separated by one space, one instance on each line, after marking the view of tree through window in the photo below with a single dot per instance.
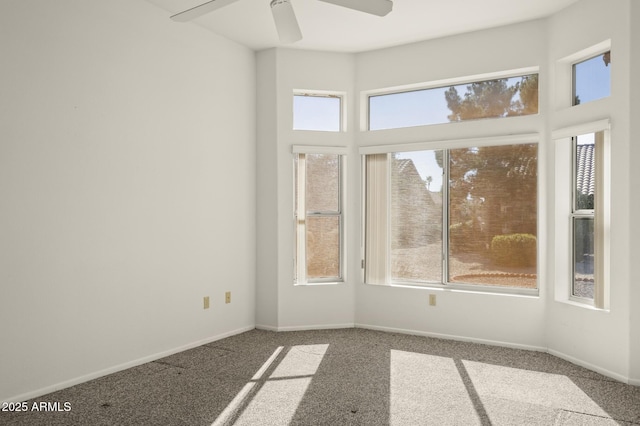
503 97
493 215
494 98
492 198
493 191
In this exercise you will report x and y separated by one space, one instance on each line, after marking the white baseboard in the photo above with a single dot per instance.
573 360
266 327
453 337
304 327
95 375
144 360
402 331
315 327
592 367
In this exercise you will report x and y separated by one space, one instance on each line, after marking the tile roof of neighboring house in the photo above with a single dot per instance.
585 175
403 163
406 167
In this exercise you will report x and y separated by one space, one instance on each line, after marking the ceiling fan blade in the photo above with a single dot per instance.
286 22
374 7
200 10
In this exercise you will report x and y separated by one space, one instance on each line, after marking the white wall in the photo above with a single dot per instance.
595 338
309 306
512 320
634 224
127 182
267 294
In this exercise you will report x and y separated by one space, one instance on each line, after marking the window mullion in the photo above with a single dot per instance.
445 216
301 234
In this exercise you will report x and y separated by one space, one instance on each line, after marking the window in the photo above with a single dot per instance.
319 217
582 215
460 217
503 97
416 216
592 78
583 168
321 112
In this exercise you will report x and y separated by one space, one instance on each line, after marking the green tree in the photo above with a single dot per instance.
493 190
528 102
494 98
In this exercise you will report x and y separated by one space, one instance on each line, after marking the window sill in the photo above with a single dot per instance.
582 305
318 284
467 289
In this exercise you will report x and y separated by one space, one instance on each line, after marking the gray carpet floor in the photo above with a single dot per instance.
345 377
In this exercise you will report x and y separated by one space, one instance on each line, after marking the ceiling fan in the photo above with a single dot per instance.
284 16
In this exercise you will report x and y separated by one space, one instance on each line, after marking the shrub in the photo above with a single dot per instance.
514 250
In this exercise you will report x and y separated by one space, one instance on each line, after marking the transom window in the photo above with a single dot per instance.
502 97
592 78
320 112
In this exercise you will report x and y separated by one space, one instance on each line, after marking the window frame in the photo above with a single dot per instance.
565 215
445 146
575 215
584 58
299 237
565 78
365 118
572 296
341 96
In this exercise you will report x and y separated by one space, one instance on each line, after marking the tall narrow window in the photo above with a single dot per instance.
585 192
583 214
318 218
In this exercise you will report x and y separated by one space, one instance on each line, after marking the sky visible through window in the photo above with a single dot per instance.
592 79
429 106
417 108
408 109
320 113
427 166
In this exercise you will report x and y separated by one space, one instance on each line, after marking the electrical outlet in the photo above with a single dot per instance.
227 297
432 300
206 302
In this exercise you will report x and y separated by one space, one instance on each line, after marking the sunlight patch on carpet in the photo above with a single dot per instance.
531 387
427 387
274 400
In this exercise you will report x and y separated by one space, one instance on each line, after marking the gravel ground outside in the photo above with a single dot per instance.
425 263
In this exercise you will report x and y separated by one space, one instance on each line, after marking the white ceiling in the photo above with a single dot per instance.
329 27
